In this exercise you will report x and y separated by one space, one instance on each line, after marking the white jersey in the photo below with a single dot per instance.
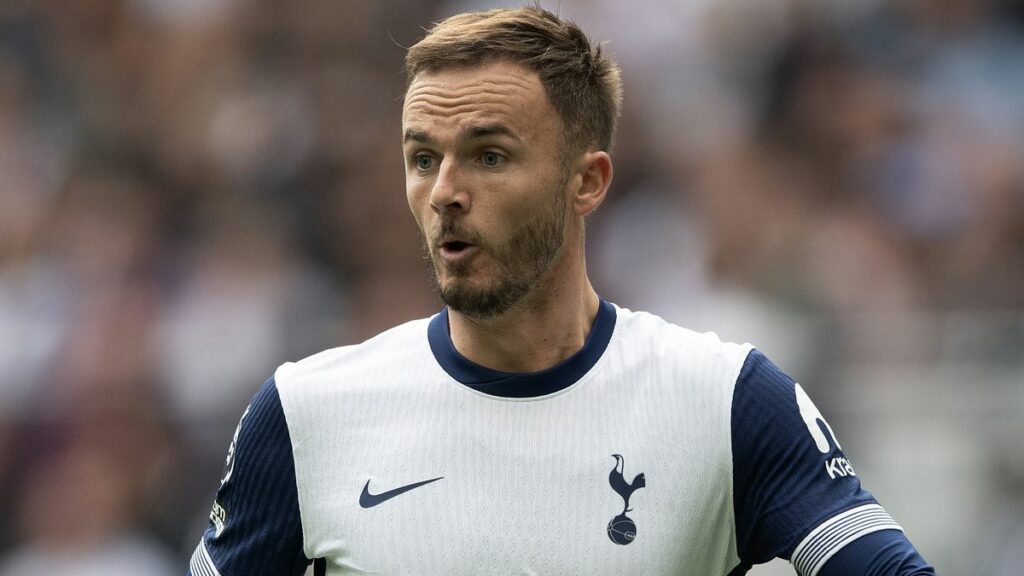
653 450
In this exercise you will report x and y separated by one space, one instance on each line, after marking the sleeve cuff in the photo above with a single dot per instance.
201 563
832 535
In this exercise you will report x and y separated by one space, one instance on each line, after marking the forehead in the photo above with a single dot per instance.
499 92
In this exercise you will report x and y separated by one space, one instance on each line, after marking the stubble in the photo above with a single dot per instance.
522 261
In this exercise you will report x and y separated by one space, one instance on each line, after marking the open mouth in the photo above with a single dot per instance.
454 251
455 246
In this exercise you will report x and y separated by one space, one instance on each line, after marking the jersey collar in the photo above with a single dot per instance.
521 384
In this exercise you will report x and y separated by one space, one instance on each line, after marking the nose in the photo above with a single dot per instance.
448 193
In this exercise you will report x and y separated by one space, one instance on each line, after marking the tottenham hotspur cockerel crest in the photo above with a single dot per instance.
621 529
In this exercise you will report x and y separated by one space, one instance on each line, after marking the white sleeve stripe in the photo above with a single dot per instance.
201 563
828 537
832 535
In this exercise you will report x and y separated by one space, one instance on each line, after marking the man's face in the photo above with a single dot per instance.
486 181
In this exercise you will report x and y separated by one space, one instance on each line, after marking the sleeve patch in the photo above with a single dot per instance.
219 517
832 535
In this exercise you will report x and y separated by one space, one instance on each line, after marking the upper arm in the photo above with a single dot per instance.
877 554
255 527
796 495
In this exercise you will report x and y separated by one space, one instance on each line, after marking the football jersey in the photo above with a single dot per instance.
653 450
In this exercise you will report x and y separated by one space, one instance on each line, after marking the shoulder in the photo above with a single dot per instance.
673 347
402 345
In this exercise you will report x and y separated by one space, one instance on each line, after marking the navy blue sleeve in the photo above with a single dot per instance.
878 554
255 527
796 495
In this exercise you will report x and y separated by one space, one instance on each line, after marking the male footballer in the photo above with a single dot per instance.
532 427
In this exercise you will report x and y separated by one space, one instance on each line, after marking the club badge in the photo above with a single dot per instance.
622 529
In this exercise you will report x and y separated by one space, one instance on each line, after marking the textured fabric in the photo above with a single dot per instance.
881 553
653 450
791 474
835 533
796 495
201 563
528 485
255 528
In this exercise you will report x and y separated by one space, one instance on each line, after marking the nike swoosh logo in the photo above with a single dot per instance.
367 500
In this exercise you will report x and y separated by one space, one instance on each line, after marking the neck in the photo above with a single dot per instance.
549 325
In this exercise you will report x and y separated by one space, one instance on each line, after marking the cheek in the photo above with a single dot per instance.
416 195
530 200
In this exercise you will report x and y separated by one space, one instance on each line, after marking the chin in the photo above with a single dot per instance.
482 302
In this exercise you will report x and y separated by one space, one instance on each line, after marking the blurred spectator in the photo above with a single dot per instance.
73 518
243 302
96 459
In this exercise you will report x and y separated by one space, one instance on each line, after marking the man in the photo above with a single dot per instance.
531 427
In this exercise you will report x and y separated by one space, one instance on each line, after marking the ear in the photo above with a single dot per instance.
596 176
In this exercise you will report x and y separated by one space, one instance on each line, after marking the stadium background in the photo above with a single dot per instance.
194 191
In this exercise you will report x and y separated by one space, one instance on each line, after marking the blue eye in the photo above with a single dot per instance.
491 159
423 162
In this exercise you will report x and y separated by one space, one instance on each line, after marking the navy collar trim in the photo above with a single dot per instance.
526 384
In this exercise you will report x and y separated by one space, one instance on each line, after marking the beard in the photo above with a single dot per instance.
522 260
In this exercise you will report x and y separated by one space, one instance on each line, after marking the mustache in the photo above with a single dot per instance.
449 228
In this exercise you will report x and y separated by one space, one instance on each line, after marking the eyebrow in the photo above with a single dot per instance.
474 132
469 132
415 136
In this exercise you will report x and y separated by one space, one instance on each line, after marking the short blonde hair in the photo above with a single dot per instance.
583 84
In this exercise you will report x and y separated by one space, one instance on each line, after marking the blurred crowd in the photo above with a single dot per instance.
195 191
